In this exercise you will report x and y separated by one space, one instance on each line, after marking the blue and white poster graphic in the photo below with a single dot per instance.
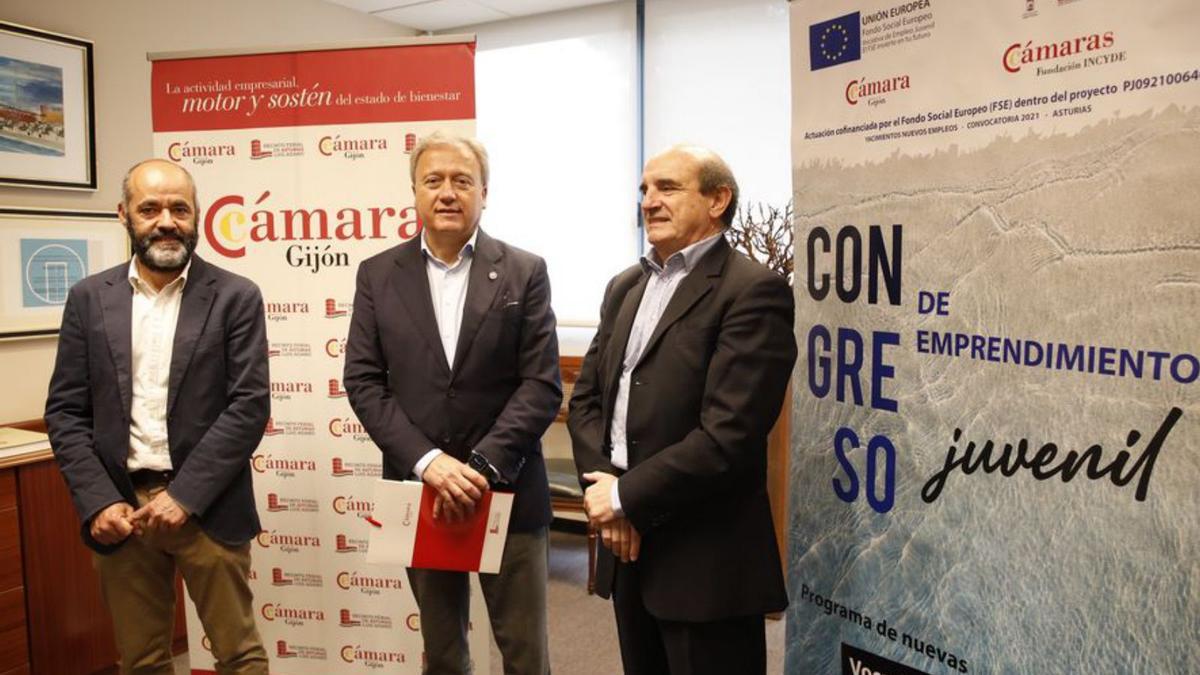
996 430
50 267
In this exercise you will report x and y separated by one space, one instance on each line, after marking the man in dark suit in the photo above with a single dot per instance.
159 396
669 423
452 367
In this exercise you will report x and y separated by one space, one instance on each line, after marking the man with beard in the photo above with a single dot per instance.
159 396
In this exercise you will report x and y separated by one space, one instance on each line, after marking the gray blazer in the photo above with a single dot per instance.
217 407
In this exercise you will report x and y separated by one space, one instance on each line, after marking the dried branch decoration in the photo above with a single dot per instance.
764 233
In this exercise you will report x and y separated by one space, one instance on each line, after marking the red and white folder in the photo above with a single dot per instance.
406 533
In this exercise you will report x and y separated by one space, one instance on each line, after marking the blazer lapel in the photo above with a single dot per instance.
198 294
412 285
485 280
117 311
622 326
690 290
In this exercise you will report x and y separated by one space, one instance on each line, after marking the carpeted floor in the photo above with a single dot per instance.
583 635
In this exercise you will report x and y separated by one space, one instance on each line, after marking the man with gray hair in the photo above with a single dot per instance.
452 367
669 422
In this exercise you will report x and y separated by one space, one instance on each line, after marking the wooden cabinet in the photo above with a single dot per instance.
69 627
14 649
10 529
52 617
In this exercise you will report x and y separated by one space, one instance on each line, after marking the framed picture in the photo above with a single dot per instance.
45 252
47 115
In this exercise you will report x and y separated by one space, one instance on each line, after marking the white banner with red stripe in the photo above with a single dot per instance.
301 162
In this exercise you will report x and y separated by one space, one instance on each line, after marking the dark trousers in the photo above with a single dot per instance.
516 603
652 646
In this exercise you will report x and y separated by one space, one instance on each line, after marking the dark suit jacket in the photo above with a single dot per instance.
701 403
497 398
217 408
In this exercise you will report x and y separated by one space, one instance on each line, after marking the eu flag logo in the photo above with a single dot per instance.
835 41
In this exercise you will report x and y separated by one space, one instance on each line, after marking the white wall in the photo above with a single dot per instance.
556 106
123 32
718 74
557 109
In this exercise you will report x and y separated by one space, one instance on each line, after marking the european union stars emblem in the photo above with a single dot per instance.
835 41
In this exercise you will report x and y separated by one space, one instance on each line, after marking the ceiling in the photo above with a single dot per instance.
436 15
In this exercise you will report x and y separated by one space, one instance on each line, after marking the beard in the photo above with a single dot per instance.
161 258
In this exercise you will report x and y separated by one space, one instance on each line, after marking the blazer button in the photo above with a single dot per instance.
445 441
633 443
637 383
451 394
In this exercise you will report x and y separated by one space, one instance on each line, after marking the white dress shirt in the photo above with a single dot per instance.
664 279
448 290
155 314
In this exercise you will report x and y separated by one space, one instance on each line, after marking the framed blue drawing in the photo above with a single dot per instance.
43 253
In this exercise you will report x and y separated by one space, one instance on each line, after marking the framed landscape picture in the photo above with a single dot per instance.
47 118
45 252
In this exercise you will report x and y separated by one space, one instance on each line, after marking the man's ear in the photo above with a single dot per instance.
720 202
483 204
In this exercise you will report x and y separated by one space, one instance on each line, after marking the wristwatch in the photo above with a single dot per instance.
482 465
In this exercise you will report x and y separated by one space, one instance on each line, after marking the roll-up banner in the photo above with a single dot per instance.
996 450
301 158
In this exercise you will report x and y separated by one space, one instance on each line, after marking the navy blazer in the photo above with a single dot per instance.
217 407
497 398
702 401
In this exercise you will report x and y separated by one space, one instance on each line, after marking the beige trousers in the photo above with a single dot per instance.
137 582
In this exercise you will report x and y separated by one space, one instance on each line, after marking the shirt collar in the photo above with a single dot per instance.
137 283
467 251
688 257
